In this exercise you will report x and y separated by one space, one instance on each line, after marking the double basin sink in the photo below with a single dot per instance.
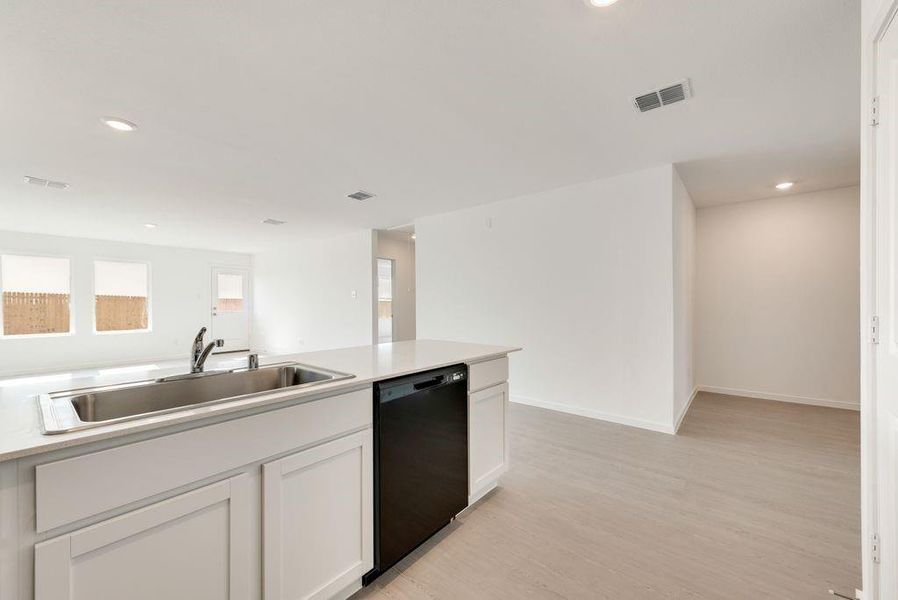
72 410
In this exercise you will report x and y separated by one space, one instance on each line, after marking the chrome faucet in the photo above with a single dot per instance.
199 354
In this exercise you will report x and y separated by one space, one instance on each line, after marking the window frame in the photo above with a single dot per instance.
72 304
93 263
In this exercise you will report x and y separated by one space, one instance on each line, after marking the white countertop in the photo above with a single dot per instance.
20 431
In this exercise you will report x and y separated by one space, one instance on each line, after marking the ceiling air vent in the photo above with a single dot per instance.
273 222
360 195
56 185
670 94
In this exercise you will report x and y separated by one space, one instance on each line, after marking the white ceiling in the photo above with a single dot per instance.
279 108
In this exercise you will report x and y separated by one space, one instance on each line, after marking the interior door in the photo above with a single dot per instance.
885 353
230 308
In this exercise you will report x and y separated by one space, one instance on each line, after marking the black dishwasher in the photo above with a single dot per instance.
420 460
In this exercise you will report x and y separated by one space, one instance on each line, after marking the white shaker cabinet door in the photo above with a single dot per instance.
193 546
487 438
317 513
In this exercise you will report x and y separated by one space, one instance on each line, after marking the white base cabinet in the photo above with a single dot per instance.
273 505
318 519
276 504
487 426
194 546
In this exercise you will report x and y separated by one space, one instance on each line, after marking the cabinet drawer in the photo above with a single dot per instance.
488 373
81 487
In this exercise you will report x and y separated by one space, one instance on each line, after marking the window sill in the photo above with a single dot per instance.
122 331
28 336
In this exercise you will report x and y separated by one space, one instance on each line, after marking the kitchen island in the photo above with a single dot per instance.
269 495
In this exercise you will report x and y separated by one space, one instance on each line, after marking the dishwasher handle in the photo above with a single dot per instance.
422 385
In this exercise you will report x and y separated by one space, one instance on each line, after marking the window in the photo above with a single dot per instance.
230 293
36 294
121 293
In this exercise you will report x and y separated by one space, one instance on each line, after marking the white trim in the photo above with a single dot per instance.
480 494
779 397
679 420
595 414
873 574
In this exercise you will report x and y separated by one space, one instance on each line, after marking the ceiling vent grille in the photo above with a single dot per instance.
56 185
273 222
671 94
361 195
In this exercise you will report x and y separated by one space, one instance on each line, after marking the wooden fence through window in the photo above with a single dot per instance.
230 305
28 313
121 313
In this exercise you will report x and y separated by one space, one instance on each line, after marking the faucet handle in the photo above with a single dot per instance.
252 361
199 336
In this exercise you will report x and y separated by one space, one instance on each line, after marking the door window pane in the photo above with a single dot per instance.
230 292
121 293
35 294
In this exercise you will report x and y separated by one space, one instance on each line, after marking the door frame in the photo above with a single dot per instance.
871 570
248 278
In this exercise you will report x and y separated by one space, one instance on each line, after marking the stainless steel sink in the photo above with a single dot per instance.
71 410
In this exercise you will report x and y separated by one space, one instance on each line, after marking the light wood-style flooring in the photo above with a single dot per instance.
753 499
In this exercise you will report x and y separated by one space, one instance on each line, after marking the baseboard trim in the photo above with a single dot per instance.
682 415
779 397
479 494
595 414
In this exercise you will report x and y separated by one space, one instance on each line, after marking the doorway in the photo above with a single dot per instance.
230 308
394 285
385 284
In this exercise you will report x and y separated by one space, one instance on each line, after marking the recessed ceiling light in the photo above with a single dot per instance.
599 3
150 225
785 185
119 124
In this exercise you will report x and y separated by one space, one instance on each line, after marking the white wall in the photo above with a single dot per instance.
401 248
180 303
303 295
683 296
581 277
777 298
